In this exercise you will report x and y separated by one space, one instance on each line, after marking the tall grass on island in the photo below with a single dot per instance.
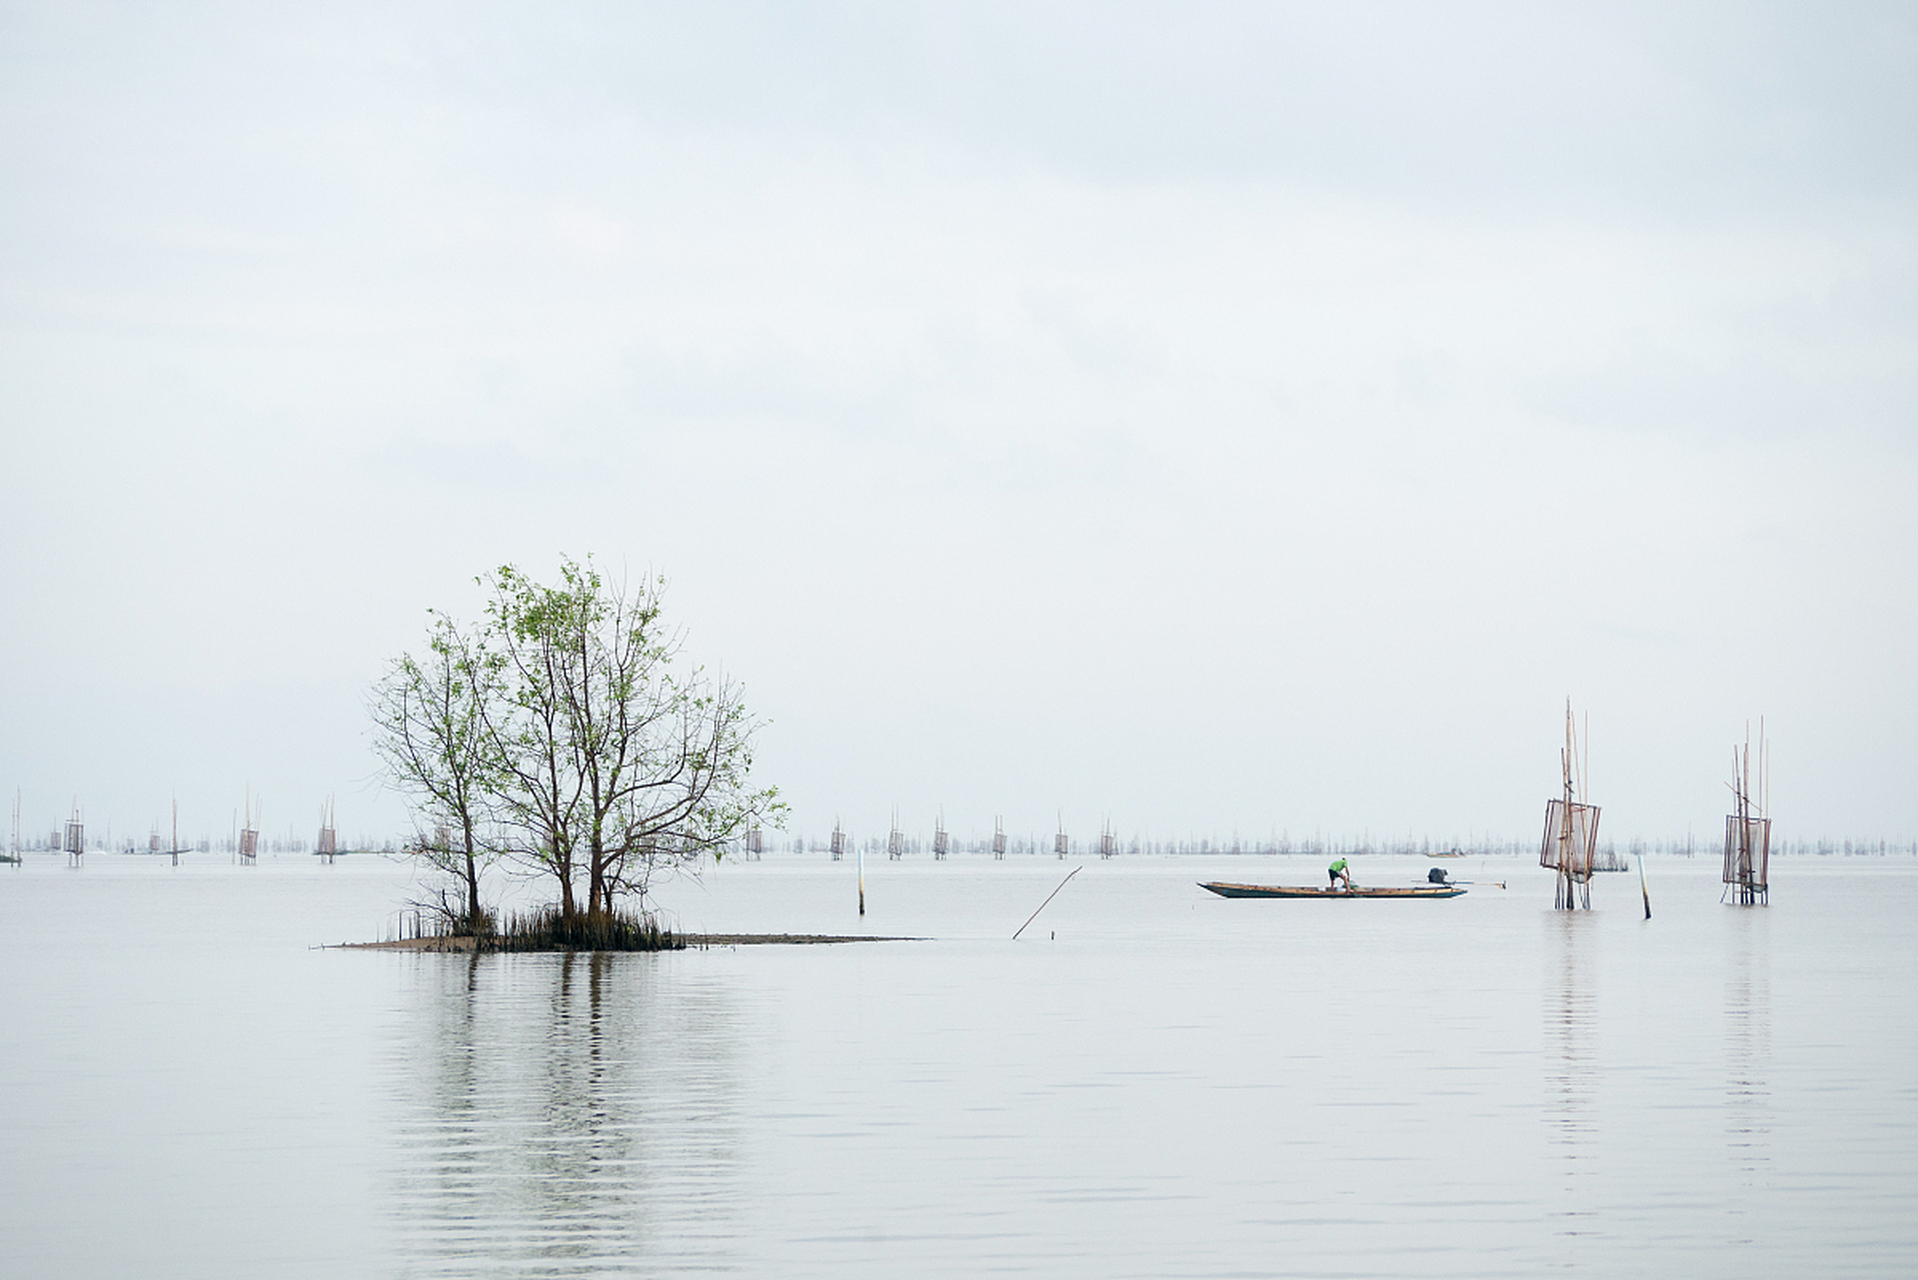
549 929
444 914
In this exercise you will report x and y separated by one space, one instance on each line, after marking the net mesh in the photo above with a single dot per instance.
1747 850
1569 844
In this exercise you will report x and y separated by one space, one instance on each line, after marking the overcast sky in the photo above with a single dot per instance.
1205 417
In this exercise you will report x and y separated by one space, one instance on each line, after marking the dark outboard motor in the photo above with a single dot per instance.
1436 875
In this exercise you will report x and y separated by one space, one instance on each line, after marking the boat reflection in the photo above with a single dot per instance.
566 1115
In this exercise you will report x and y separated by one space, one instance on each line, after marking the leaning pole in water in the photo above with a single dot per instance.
862 879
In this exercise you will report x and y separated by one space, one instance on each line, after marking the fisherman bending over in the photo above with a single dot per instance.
1339 871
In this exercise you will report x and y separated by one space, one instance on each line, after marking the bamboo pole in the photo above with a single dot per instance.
1049 897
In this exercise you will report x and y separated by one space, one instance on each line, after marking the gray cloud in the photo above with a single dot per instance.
1256 415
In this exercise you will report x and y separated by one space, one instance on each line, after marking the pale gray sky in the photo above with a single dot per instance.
1198 415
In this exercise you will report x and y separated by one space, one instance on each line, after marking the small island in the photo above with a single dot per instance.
468 943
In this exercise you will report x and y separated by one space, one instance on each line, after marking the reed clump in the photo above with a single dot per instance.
461 924
549 929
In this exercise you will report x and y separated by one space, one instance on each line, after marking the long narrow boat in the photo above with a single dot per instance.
1226 890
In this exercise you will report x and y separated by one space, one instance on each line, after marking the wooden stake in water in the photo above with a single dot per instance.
1641 884
862 879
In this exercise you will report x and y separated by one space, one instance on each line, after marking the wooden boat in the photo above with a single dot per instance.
1226 890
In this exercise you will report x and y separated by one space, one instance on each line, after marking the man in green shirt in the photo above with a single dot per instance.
1339 871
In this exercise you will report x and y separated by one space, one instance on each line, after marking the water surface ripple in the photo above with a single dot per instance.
1152 1082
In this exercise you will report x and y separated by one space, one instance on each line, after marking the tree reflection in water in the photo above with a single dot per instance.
566 1115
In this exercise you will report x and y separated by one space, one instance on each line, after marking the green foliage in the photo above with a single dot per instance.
565 731
430 728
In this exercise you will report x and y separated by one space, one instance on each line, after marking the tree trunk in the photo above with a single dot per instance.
596 890
472 882
563 867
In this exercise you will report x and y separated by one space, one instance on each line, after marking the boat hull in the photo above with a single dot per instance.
1227 890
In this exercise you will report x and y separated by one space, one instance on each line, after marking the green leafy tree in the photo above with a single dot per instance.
431 728
594 752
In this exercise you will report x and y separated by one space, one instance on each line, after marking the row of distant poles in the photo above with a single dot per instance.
942 840
941 846
1570 844
72 839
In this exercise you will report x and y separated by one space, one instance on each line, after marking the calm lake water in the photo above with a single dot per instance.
1152 1082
